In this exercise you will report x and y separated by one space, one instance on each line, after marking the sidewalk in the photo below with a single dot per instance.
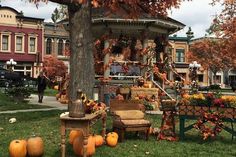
47 101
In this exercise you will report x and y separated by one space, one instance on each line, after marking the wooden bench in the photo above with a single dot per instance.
128 115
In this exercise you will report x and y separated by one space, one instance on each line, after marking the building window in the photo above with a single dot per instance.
49 46
67 48
200 78
32 44
180 56
60 47
23 70
5 42
19 43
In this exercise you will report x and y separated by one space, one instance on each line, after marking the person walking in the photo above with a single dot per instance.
41 81
233 85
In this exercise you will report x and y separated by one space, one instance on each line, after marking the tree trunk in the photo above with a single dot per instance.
81 45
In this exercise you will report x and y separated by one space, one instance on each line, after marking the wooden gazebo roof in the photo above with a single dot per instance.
118 23
103 22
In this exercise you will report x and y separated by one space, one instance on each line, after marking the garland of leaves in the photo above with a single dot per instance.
209 124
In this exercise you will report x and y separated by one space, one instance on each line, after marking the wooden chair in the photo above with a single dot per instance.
128 115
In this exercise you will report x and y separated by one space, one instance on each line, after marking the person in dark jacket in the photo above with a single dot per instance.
233 85
41 81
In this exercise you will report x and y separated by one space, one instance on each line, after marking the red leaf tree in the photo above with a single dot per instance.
54 67
211 53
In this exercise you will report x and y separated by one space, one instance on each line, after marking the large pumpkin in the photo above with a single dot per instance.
74 134
78 146
98 140
113 134
17 148
112 140
35 147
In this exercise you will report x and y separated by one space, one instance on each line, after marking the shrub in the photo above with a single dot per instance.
19 93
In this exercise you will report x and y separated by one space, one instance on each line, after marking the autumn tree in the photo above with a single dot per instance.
224 26
81 58
211 54
54 67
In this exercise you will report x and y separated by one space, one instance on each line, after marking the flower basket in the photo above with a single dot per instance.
193 110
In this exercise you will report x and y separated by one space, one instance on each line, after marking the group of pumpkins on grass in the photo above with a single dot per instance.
76 140
62 98
33 147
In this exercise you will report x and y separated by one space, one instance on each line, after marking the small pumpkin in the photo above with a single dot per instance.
98 140
112 140
35 147
74 134
56 87
113 134
78 146
17 148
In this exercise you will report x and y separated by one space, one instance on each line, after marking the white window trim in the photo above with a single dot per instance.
9 41
36 44
23 42
176 54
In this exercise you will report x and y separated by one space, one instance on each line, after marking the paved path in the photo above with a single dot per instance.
47 101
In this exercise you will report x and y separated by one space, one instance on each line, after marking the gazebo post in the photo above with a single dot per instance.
144 59
104 86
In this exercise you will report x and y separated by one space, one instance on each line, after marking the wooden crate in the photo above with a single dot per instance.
148 92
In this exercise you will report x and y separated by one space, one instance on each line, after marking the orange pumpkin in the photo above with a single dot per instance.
78 146
17 148
112 140
113 134
74 134
98 140
35 147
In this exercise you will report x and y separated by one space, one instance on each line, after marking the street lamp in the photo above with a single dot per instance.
189 33
11 63
194 67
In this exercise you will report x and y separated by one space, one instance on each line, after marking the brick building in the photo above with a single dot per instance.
21 39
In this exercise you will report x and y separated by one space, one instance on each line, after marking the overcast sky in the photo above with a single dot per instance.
197 14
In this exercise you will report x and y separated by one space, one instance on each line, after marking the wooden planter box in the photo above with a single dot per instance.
193 110
148 92
124 90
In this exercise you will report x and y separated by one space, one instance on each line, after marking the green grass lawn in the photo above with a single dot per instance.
50 92
47 125
7 103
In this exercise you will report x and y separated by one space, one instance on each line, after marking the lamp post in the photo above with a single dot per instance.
11 63
193 68
189 34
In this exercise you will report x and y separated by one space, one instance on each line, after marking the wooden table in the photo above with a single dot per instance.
84 124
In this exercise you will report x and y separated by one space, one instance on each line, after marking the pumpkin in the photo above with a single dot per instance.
17 148
56 87
113 134
74 134
35 147
112 140
98 140
78 146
